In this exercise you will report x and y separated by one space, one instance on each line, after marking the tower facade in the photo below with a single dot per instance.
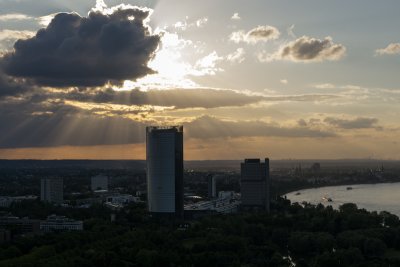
164 154
255 184
52 190
212 186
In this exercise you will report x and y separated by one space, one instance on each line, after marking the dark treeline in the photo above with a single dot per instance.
307 236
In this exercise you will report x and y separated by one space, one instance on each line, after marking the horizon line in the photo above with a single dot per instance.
288 159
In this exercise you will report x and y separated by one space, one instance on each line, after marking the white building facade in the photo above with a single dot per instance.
60 223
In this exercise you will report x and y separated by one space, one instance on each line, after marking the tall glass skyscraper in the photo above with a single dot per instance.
164 149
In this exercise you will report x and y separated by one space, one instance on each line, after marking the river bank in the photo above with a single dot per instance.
373 197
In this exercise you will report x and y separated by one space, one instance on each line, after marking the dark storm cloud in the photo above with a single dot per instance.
12 87
210 127
86 51
357 123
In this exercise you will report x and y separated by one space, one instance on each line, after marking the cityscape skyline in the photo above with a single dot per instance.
304 80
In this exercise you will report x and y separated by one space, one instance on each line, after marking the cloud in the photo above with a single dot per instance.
178 98
86 51
258 34
210 127
181 25
325 86
351 94
307 49
14 16
64 126
186 24
67 126
301 98
237 56
14 35
391 49
45 20
201 22
302 123
100 6
236 16
186 98
12 87
357 123
207 65
79 116
8 38
284 81
348 87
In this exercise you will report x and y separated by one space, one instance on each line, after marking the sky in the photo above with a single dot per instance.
283 79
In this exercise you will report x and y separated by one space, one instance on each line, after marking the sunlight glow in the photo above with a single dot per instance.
135 112
171 68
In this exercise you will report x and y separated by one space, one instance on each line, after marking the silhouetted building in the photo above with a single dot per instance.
316 167
52 190
298 170
255 184
164 148
99 182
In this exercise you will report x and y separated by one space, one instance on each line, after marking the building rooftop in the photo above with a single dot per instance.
178 128
59 219
252 160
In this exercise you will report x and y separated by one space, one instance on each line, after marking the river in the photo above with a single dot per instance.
372 197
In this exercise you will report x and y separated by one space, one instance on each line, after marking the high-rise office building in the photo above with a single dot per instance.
212 186
164 148
99 182
255 184
52 190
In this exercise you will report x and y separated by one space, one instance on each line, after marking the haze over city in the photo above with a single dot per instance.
291 79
